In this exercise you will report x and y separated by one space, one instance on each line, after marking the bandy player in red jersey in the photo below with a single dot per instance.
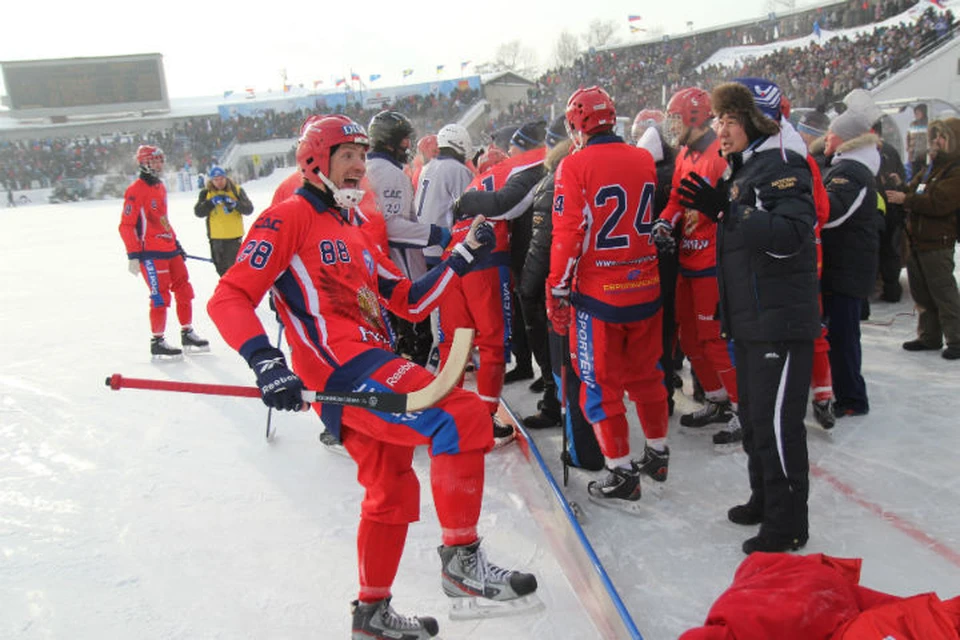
698 150
603 268
154 252
329 281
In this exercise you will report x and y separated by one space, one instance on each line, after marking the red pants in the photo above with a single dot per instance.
162 278
481 300
458 432
822 382
613 358
710 355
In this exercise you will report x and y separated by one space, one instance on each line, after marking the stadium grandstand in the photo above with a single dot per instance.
817 55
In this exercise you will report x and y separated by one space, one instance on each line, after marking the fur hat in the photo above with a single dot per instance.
736 99
849 125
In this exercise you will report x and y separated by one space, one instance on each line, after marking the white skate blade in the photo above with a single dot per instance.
475 607
194 350
159 357
336 448
634 508
499 444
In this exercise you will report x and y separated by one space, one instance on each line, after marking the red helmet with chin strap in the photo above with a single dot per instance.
590 110
691 105
148 156
317 143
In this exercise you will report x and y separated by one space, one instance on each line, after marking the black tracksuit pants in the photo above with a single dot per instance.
773 379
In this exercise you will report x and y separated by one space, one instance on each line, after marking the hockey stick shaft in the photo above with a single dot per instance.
201 258
269 432
388 402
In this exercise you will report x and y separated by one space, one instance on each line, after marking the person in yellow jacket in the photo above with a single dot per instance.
222 203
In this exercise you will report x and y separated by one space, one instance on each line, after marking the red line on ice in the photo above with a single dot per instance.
902 524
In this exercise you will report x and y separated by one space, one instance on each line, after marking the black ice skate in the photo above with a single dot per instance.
193 343
331 443
619 490
730 437
378 621
160 350
823 413
478 588
503 434
711 412
654 463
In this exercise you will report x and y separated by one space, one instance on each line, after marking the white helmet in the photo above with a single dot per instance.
453 136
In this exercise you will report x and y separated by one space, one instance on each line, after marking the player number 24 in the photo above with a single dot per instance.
642 220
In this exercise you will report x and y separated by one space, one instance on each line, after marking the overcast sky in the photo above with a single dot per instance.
209 48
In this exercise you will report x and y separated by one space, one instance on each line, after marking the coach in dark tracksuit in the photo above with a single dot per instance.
851 252
767 273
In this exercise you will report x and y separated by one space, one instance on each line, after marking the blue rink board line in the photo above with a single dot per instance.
629 626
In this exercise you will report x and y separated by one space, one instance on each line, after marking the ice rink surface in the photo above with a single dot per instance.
144 514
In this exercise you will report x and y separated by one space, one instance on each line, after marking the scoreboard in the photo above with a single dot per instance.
81 86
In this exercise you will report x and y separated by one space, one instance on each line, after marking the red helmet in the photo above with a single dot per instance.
317 143
317 117
427 147
590 110
691 105
150 159
491 156
644 120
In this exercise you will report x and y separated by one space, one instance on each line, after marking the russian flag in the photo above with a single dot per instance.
634 18
341 81
355 76
939 3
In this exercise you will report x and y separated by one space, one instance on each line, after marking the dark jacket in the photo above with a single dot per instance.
536 267
513 201
934 196
851 237
766 254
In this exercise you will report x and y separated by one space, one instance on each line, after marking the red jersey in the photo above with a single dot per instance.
144 227
376 227
698 243
821 201
329 280
602 249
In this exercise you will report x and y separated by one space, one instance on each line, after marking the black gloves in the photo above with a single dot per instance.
696 193
280 388
181 250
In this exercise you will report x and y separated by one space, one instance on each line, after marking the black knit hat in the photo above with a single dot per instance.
814 123
529 135
556 132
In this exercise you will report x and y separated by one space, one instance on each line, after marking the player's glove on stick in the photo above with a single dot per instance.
280 388
696 193
663 237
558 310
481 238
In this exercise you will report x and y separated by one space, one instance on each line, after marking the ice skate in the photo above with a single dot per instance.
823 413
479 589
193 343
378 621
729 438
503 434
711 412
332 444
654 463
619 490
161 350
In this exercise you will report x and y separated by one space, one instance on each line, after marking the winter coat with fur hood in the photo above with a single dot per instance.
851 237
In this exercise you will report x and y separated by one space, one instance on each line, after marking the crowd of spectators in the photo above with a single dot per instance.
192 144
641 76
646 75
